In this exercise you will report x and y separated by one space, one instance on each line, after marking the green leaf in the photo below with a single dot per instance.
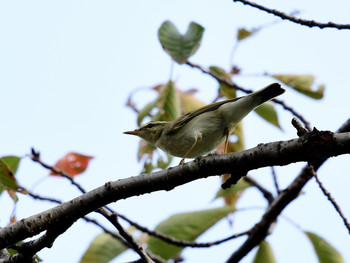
267 112
189 102
225 90
325 252
161 163
103 249
169 108
146 110
12 162
302 84
169 102
13 252
180 47
237 188
7 178
244 33
264 254
1 189
147 167
185 226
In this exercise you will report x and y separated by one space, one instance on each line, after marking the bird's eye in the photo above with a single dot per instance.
150 125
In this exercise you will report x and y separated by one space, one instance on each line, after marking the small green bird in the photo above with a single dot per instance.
201 131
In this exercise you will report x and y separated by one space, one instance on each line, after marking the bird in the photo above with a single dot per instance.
202 130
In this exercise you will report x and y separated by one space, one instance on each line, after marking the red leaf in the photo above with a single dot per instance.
72 164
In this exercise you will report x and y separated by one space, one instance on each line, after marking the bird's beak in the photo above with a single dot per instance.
135 132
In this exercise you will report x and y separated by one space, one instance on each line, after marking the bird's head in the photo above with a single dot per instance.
150 131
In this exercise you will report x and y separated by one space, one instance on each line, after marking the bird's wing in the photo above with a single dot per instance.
182 120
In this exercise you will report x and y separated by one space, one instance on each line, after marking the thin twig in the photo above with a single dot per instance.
301 131
93 221
35 156
218 78
132 105
113 218
331 199
291 110
39 197
267 194
304 22
275 181
87 219
178 242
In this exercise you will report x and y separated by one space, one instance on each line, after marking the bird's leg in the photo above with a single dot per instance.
197 138
227 134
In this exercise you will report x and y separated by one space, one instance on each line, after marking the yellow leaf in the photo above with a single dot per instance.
302 84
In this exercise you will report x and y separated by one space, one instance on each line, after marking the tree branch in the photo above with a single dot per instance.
266 193
308 23
314 146
331 199
35 156
234 86
113 219
178 242
27 250
264 227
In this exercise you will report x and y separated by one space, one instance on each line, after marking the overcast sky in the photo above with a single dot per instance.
68 67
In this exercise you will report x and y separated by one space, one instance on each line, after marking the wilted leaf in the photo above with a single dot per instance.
325 252
72 164
180 47
267 112
13 219
185 226
302 84
190 102
264 254
244 33
238 145
13 195
147 167
162 164
103 249
145 149
7 178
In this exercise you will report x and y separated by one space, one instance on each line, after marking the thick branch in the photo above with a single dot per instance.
26 251
262 228
314 146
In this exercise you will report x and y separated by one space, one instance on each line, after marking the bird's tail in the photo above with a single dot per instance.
267 93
